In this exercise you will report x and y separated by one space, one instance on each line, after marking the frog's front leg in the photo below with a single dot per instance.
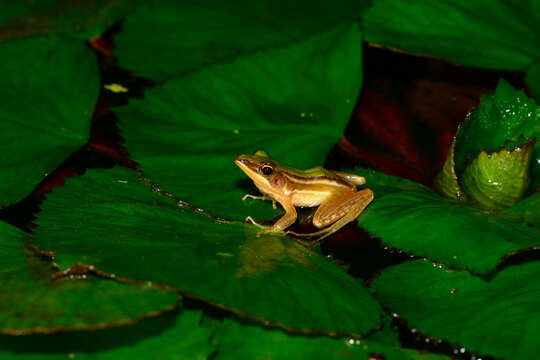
279 226
287 219
263 197
249 196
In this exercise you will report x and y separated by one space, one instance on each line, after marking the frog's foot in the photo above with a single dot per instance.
318 236
263 197
249 196
311 238
270 230
250 219
265 229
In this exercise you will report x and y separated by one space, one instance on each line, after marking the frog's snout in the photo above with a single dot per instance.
240 161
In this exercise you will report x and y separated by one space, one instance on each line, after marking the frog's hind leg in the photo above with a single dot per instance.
338 212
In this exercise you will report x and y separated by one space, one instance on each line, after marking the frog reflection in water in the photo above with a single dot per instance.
334 192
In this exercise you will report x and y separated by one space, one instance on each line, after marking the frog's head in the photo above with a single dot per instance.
265 172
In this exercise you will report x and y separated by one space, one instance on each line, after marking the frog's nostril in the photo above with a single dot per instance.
240 161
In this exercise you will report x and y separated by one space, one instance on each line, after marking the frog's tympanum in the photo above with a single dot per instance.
334 192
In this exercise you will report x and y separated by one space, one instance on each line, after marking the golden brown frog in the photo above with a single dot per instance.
334 192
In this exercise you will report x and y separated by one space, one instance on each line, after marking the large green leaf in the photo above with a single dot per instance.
532 79
82 18
293 102
167 38
499 318
13 9
32 302
275 344
110 220
506 118
414 218
168 337
499 34
527 210
48 87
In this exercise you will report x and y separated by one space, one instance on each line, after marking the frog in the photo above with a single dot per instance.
333 192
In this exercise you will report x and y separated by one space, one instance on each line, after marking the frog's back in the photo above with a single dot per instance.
318 177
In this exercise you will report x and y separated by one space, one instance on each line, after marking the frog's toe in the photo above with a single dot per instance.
269 230
249 219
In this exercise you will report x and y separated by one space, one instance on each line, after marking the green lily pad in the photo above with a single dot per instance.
507 118
83 19
274 344
124 228
532 79
167 337
498 318
163 39
13 9
293 102
485 33
500 179
49 86
33 302
527 210
417 220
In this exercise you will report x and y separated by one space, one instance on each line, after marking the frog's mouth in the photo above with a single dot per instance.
246 166
250 168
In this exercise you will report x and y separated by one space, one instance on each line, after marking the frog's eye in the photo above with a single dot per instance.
267 170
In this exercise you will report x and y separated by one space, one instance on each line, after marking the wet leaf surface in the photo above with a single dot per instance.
274 344
498 318
33 302
167 337
408 216
206 32
186 133
484 33
124 228
526 210
49 86
532 79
